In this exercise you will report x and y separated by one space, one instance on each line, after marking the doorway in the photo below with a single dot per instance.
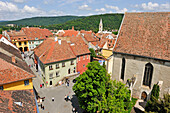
50 82
144 96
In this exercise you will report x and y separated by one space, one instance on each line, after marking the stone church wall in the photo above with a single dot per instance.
135 67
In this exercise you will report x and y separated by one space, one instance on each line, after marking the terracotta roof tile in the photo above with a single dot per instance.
78 46
26 97
70 33
145 34
51 51
11 73
34 32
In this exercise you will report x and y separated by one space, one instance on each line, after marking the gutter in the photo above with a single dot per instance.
141 56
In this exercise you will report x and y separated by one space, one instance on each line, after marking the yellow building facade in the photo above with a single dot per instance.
19 85
22 45
106 53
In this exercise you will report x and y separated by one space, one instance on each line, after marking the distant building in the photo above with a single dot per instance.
36 36
27 38
142 54
11 25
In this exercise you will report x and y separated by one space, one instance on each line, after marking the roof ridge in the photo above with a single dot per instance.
50 50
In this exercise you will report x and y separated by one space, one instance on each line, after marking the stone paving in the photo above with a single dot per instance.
59 105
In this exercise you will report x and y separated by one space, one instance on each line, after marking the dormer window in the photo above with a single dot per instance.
19 38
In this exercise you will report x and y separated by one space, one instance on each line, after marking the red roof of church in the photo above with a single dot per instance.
145 34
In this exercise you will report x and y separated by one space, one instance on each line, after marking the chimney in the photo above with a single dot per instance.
56 38
13 59
72 27
59 41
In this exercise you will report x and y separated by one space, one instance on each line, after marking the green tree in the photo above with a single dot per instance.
0 30
92 54
159 106
97 92
150 106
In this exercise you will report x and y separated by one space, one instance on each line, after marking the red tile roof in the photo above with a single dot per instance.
26 97
11 73
34 32
50 51
70 33
78 46
145 34
17 35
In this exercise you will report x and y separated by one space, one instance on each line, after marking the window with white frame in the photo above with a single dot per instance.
79 58
57 65
63 64
87 56
83 57
50 67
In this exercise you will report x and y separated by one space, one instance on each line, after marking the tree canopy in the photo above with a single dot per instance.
97 92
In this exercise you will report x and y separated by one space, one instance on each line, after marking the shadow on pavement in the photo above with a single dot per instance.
75 104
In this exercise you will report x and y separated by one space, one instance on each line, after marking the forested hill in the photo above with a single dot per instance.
110 21
42 20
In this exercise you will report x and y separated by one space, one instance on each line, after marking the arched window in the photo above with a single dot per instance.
123 68
148 74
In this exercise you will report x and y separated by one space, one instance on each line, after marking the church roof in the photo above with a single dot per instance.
145 34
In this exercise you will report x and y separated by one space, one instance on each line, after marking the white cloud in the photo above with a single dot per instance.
84 7
116 8
18 1
8 7
102 10
31 9
10 11
153 6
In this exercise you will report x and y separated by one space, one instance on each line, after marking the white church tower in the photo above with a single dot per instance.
100 26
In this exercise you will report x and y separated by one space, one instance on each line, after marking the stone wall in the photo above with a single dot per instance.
135 67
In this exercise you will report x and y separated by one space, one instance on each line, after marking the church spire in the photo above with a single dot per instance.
101 26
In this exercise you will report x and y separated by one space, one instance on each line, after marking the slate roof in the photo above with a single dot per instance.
50 51
26 97
145 34
79 47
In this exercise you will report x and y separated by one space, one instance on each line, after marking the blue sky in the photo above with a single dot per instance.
18 9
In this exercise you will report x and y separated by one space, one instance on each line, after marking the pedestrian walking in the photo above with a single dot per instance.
40 85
